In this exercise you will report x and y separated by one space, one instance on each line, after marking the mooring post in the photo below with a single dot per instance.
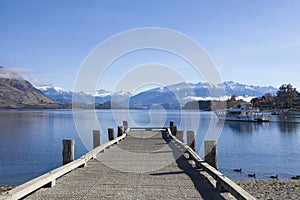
96 138
173 128
111 134
179 135
68 151
191 140
120 131
210 153
171 123
125 125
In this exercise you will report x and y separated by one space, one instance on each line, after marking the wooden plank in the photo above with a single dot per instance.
35 184
40 181
230 186
144 128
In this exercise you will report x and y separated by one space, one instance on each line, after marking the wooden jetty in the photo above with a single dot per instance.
141 163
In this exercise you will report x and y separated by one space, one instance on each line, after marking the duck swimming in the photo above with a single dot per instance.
274 177
238 170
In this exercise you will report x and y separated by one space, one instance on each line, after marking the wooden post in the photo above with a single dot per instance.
191 139
210 153
120 131
125 124
111 134
171 123
96 138
180 135
220 188
68 151
173 130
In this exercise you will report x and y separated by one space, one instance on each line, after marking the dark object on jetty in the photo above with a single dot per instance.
68 151
238 170
274 177
295 177
171 123
111 134
252 175
120 131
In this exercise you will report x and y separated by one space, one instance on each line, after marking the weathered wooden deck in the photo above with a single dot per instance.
135 157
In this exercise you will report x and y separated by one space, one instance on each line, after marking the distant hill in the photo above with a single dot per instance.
15 92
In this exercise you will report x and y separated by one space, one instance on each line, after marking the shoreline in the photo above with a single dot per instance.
271 189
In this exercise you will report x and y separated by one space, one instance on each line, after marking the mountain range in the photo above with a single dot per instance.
172 96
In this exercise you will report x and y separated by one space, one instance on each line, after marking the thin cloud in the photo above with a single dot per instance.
36 82
21 70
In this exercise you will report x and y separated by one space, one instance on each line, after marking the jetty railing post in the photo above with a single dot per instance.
190 136
125 125
180 135
191 140
120 131
210 153
68 151
96 138
111 134
171 123
173 128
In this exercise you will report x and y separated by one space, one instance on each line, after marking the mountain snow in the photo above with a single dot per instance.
171 95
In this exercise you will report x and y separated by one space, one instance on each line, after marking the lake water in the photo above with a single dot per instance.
31 141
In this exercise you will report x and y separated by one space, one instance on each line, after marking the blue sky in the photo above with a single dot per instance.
254 42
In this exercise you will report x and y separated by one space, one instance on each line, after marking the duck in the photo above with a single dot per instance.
251 175
238 170
274 177
296 177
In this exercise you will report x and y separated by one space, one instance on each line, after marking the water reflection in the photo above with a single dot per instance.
287 124
245 127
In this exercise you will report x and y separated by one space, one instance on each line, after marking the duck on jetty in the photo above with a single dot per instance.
252 175
274 177
238 170
295 177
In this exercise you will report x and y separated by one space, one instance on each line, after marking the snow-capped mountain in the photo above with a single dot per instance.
102 93
238 89
58 94
172 96
62 96
175 96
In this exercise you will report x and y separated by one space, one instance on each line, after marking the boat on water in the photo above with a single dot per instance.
242 112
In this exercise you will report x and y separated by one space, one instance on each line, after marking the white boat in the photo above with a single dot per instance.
242 112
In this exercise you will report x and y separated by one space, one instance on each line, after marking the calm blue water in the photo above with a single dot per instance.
31 141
